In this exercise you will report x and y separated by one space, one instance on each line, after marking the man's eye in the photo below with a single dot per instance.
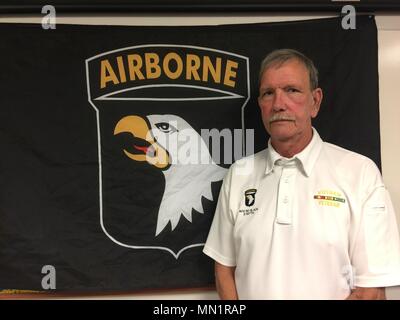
165 127
292 90
267 93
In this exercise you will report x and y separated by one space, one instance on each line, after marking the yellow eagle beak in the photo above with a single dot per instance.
154 153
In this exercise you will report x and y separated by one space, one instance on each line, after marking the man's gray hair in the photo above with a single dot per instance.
280 56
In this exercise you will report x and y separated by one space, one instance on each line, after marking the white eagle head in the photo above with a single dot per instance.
172 145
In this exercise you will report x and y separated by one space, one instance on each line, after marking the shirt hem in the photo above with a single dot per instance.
375 282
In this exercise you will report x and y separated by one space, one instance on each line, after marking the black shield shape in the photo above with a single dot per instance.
146 99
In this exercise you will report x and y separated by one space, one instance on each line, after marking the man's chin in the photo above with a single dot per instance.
281 132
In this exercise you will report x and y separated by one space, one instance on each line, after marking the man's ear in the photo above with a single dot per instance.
317 99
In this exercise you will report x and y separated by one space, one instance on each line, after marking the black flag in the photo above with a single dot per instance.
108 169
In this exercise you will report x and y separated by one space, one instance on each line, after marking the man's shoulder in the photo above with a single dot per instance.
355 169
250 166
259 157
347 158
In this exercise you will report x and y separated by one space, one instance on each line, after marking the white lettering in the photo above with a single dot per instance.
349 20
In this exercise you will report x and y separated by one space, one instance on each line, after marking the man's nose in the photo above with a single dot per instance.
278 102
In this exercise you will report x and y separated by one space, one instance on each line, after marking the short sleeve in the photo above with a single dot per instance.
220 242
376 245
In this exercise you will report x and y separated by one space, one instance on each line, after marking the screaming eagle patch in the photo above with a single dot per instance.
250 197
158 179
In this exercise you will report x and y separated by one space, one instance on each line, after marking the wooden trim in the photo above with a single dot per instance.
82 294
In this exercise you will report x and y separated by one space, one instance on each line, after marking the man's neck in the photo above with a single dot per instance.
291 147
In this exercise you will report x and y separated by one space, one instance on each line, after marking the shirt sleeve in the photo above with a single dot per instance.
220 242
375 246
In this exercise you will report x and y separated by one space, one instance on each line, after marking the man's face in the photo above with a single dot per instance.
287 102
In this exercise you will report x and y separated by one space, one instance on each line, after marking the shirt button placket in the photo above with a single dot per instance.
285 196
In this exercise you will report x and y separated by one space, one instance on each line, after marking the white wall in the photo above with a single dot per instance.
389 80
389 96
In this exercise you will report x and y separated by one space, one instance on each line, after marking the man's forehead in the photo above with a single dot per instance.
291 70
290 63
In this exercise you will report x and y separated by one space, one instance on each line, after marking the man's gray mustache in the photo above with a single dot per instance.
280 117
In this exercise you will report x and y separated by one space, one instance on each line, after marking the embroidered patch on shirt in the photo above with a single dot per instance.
329 198
250 197
249 200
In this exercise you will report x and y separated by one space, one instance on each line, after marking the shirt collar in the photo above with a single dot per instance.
306 158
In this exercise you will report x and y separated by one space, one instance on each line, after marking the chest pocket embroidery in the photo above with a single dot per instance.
329 198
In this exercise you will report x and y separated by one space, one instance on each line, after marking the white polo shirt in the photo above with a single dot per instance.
309 227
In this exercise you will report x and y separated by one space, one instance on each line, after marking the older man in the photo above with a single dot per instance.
311 220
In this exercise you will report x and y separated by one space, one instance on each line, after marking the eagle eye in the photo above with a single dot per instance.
165 127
